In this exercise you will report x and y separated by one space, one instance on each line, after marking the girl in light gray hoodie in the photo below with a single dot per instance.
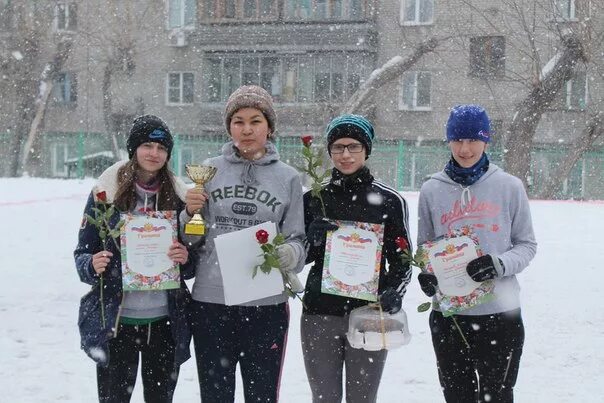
473 193
251 186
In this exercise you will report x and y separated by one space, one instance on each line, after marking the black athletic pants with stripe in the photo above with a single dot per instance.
253 336
487 370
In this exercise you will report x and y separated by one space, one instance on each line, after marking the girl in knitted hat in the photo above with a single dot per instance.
251 186
352 194
117 327
475 195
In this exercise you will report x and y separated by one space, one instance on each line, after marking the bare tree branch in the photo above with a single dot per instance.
390 71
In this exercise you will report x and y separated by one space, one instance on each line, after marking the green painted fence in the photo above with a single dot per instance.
402 164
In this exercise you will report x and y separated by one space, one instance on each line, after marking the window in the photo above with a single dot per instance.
66 16
415 91
240 9
59 154
564 9
180 88
487 56
186 157
65 88
181 13
323 77
575 92
6 11
417 12
325 9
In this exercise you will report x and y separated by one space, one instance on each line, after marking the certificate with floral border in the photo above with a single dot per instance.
352 259
447 257
145 240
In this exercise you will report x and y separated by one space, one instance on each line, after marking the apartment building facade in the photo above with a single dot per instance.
181 59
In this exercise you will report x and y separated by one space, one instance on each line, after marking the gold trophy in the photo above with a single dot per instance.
200 174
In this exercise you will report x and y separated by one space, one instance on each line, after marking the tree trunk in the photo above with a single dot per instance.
28 148
19 134
361 101
592 131
49 74
110 124
529 111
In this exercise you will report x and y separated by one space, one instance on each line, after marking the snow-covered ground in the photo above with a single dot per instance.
40 358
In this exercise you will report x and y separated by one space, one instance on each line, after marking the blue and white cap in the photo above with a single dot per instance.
469 122
353 126
149 128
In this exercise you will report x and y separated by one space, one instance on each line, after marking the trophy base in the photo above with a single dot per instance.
196 226
195 229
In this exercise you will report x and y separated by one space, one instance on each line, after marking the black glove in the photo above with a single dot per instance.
317 231
391 300
428 283
484 268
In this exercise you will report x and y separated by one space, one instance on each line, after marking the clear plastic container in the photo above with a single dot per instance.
372 330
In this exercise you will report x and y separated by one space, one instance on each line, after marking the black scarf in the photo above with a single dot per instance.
467 176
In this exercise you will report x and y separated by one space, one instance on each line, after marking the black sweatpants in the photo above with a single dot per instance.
485 372
154 343
253 336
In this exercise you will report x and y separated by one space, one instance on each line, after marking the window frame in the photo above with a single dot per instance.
65 82
416 18
412 106
55 163
180 88
568 93
70 7
223 12
572 11
299 70
184 25
182 150
292 10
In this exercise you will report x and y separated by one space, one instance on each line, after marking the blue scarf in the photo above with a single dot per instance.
467 176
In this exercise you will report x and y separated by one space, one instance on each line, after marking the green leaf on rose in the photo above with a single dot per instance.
91 220
279 239
272 261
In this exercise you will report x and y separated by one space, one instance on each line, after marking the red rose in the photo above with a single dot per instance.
401 243
306 140
262 236
102 196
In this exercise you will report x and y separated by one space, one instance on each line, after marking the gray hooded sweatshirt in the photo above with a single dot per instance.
496 207
242 194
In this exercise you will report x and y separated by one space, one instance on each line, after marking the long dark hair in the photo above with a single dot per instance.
125 197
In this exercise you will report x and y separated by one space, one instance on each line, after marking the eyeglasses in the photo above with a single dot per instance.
352 148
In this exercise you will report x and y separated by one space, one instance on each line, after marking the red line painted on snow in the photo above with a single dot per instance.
50 199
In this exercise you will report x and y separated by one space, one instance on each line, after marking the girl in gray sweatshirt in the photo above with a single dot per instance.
474 194
251 186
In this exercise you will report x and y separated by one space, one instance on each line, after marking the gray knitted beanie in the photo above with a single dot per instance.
250 96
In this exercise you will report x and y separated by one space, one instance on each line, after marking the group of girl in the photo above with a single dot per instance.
157 326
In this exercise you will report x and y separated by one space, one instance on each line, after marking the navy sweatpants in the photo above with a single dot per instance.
253 336
485 372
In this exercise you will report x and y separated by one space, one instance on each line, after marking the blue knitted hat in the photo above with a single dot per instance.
469 122
353 126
